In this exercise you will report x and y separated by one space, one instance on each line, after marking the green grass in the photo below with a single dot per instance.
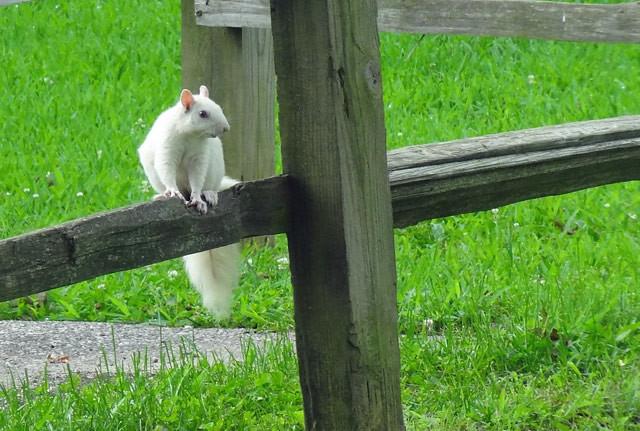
190 392
521 318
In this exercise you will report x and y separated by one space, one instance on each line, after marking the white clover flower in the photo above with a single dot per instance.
26 190
607 205
99 153
7 194
531 79
79 194
633 216
172 274
516 224
283 262
35 195
495 211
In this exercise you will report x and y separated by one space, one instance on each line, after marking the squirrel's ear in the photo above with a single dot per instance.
186 98
204 91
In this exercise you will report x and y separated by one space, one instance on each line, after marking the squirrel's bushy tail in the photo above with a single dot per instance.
215 273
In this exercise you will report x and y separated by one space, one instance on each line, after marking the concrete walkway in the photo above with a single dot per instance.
82 346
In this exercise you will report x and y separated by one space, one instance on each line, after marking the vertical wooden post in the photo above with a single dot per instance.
341 239
237 66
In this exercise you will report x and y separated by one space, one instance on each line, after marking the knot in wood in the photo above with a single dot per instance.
373 76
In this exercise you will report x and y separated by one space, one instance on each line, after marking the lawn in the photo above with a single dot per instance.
524 317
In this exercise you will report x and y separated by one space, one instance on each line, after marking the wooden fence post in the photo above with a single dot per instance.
341 239
237 65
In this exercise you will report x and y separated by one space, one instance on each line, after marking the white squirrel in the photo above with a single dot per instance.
182 156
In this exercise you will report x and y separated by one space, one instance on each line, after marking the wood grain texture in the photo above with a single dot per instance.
233 13
341 240
514 18
439 180
136 236
237 66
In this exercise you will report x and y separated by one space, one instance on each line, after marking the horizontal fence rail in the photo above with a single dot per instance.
136 236
515 18
427 181
475 174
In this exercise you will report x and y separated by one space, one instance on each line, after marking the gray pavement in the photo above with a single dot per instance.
29 347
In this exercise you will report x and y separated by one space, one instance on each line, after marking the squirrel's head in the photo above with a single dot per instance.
202 115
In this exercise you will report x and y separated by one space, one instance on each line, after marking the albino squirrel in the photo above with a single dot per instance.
182 157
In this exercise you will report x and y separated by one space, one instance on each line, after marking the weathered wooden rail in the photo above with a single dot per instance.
532 19
138 235
427 181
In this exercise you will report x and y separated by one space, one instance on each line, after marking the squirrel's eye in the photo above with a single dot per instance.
203 114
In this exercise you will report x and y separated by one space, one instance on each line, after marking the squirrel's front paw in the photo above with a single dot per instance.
210 197
197 202
170 193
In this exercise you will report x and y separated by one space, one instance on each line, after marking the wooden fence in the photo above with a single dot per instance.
334 202
533 19
427 182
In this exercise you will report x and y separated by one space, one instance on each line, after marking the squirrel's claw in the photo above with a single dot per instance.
197 203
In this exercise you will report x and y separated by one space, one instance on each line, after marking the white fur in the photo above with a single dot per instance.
182 157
